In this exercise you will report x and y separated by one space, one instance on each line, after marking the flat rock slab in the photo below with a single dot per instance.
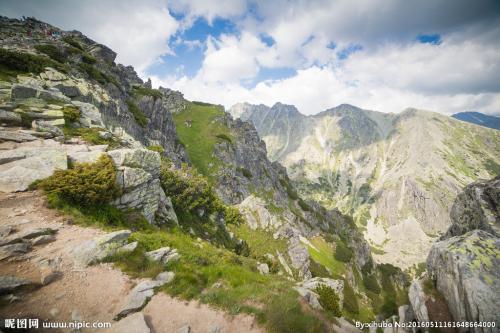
96 249
163 255
16 136
11 250
9 283
133 323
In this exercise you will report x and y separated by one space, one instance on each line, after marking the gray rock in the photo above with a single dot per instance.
134 323
165 277
6 230
33 233
52 94
8 156
263 269
49 276
163 255
10 118
10 284
96 249
47 126
215 329
89 115
43 239
417 300
16 136
39 163
105 135
184 329
11 250
20 91
466 272
68 89
307 289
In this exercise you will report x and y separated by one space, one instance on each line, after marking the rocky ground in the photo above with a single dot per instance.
56 288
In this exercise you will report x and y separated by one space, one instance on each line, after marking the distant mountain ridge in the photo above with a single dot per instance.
397 174
478 118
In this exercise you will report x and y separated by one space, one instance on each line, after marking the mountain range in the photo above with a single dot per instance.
479 119
397 174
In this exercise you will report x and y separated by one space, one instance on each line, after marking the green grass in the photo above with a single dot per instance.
200 138
324 255
90 135
259 241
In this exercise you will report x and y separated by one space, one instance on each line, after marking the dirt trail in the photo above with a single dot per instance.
95 293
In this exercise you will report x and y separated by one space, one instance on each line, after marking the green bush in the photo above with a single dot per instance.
25 62
350 299
371 283
140 91
88 59
224 137
245 172
305 207
139 116
292 194
329 300
343 252
71 41
71 114
90 135
157 148
52 51
86 184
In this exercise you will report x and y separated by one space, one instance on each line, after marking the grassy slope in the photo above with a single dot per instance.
200 138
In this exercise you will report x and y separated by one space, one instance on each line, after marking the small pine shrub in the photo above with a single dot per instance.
88 59
86 184
71 41
329 300
25 62
71 114
52 51
139 116
343 252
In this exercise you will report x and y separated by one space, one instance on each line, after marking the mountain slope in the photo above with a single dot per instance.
479 119
397 174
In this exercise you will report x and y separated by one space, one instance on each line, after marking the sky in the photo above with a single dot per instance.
384 55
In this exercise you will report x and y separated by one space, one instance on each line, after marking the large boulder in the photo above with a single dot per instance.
138 172
97 249
29 163
466 272
257 215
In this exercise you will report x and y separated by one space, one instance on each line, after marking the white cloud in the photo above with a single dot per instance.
209 9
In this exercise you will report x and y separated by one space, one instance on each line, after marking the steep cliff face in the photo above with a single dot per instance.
397 174
464 263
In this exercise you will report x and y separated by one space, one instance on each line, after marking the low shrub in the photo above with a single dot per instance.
157 148
343 252
140 91
71 114
224 137
92 72
292 194
72 41
25 62
139 116
52 51
329 300
88 59
86 184
305 207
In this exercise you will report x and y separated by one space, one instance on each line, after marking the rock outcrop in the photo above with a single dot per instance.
464 263
307 289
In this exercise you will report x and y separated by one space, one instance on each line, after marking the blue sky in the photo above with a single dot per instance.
386 55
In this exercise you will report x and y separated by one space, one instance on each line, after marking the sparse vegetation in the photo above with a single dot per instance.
351 305
73 42
245 172
71 114
140 91
343 252
23 62
52 51
139 116
157 148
